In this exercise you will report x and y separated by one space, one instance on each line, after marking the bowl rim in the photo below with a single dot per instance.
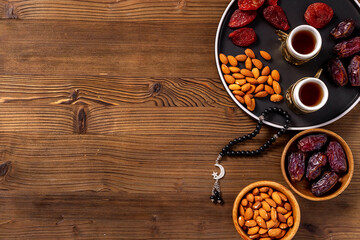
281 188
349 155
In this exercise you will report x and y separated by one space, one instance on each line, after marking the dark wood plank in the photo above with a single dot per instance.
98 48
106 90
105 10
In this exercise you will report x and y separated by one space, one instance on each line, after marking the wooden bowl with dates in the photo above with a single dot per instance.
264 210
317 164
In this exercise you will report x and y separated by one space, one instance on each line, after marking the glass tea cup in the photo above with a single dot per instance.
308 94
301 45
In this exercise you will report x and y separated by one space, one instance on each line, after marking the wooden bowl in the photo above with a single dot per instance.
292 200
303 188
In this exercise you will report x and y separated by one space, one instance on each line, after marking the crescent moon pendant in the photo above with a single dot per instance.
222 172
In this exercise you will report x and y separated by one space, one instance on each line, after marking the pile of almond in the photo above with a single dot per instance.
265 214
253 81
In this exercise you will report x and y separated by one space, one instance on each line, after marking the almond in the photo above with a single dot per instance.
241 57
250 53
283 197
281 218
273 214
276 87
270 80
244 202
255 72
264 189
247 100
283 226
257 63
261 222
250 197
281 210
253 230
233 62
238 75
251 90
252 106
263 230
268 89
265 55
242 211
256 214
270 224
262 79
225 69
276 197
241 221
255 192
265 71
270 202
258 198
250 223
257 205
240 99
245 87
275 75
274 232
283 232
270 191
234 87
287 206
290 221
223 58
252 80
264 214
248 64
264 195
240 81
248 214
265 206
255 236
229 79
246 72
276 98
261 94
237 92
259 88
287 215
234 69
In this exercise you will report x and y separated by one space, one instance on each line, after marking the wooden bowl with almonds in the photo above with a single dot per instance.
266 209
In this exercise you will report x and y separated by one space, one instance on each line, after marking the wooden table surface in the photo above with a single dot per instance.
111 117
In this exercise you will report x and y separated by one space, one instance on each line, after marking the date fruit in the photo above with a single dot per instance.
343 29
296 166
328 181
312 142
337 72
315 165
318 14
348 48
276 16
241 18
336 157
354 71
243 37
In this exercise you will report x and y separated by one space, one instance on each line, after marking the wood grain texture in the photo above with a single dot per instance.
114 10
111 117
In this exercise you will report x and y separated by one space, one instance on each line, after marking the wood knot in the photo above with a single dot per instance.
181 4
310 227
81 121
4 168
9 11
155 88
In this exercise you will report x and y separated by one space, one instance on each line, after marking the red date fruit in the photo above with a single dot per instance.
243 37
348 48
318 14
354 71
241 18
336 157
328 181
315 165
296 166
337 72
271 2
276 16
343 29
312 142
250 4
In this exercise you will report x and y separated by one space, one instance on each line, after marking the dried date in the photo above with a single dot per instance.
348 48
312 142
315 165
336 157
343 29
296 166
354 71
327 181
337 72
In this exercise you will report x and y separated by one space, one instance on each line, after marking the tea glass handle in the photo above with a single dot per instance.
318 73
282 35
